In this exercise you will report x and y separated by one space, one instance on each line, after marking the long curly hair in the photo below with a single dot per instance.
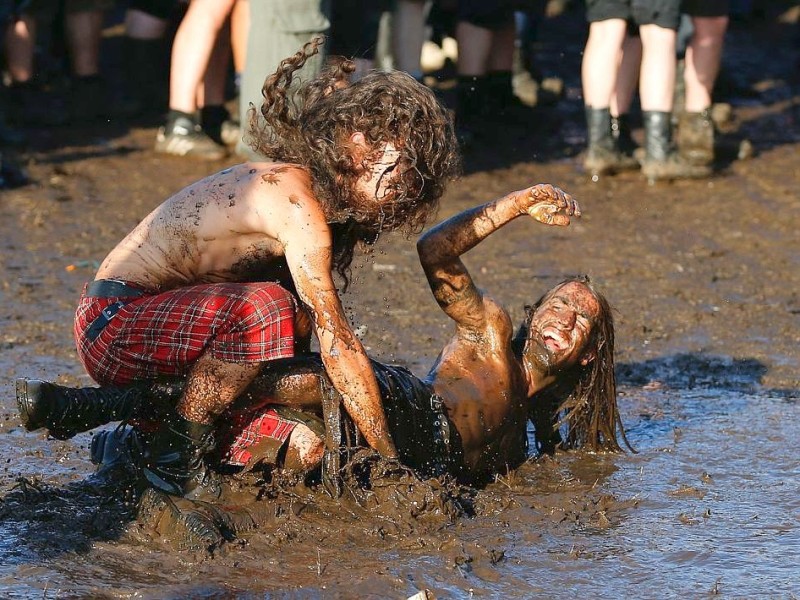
584 400
310 123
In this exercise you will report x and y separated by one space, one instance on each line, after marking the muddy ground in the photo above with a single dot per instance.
705 279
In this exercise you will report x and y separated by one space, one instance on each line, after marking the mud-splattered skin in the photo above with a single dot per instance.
484 385
225 227
236 226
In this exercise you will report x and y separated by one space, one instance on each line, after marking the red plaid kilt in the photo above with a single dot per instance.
242 430
165 334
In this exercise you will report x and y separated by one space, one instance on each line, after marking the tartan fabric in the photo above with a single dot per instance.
165 334
244 429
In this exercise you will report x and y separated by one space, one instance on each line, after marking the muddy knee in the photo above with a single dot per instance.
304 450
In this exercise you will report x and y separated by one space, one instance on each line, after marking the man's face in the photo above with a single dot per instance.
562 325
376 182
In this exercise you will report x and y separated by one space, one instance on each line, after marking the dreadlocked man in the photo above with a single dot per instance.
209 284
469 416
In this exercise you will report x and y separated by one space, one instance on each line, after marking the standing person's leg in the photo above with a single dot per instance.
408 36
703 56
279 28
214 116
191 51
658 25
146 22
622 97
599 73
84 31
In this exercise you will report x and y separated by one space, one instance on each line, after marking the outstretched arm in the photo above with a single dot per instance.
441 247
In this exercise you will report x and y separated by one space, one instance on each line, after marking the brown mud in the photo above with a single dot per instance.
705 279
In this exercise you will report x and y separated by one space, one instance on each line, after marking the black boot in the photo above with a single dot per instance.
621 132
661 160
216 121
470 107
603 156
173 459
696 137
65 412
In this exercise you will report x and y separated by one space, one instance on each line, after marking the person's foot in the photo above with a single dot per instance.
65 412
174 459
673 167
184 137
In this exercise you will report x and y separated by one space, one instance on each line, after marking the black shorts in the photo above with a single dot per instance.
354 28
160 9
706 8
489 15
664 13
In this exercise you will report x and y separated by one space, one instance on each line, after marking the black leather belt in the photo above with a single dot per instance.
112 288
108 288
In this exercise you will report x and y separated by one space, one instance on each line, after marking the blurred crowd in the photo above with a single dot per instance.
199 66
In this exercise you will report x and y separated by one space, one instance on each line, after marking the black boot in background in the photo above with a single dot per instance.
621 132
661 160
216 121
695 137
471 93
603 156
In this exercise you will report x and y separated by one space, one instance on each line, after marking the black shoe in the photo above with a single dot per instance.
173 461
65 412
184 137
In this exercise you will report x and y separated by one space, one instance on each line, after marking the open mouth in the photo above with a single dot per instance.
554 339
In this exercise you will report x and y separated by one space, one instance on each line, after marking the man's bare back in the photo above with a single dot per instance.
230 226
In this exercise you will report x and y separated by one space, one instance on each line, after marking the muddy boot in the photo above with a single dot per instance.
696 137
603 156
661 160
216 121
173 461
65 412
621 132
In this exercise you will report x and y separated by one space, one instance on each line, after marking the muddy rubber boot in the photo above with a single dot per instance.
661 161
603 156
65 412
173 461
696 137
621 132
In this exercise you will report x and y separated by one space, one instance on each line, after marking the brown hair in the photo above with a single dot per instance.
311 124
586 401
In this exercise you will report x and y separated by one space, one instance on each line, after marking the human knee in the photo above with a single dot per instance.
304 450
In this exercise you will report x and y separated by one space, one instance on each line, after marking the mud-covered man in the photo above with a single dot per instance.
469 416
210 283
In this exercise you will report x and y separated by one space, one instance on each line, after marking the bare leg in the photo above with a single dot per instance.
702 61
211 386
408 35
305 449
627 76
84 32
657 76
191 51
20 41
601 61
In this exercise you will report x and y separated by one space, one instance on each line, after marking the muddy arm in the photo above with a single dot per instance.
441 247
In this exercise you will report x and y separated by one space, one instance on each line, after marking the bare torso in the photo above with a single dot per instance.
481 383
225 227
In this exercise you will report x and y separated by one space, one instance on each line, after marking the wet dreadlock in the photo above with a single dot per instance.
310 124
587 401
